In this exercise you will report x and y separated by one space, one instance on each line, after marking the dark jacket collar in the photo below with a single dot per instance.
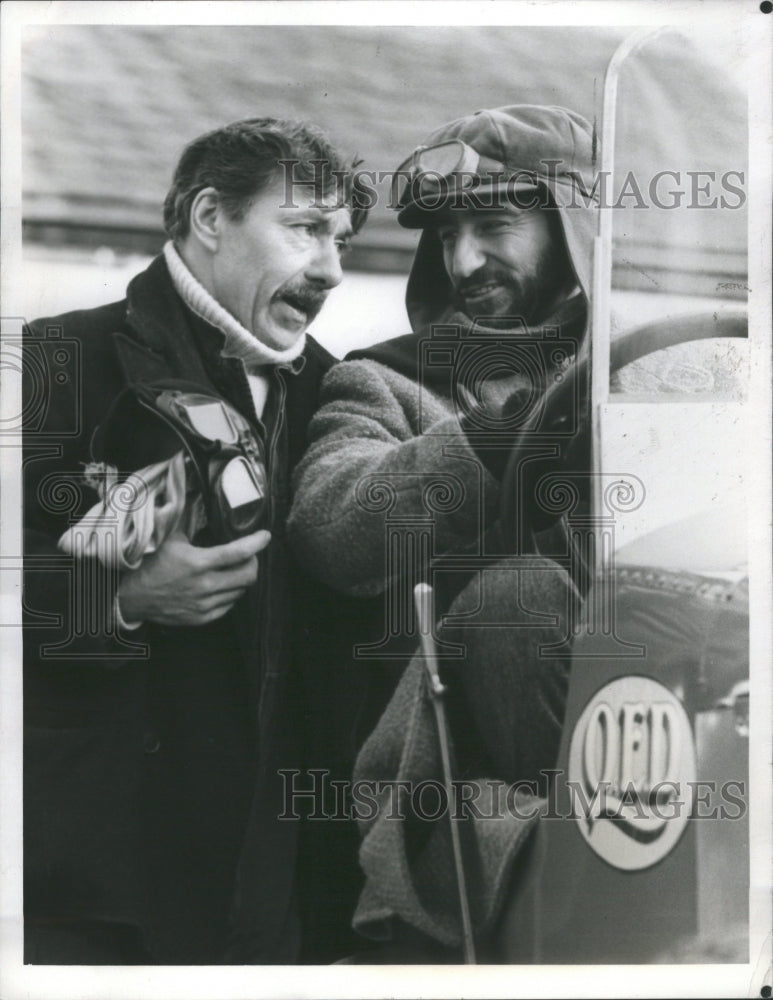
408 354
159 342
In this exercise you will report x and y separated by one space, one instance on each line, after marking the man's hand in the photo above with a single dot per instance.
500 398
182 584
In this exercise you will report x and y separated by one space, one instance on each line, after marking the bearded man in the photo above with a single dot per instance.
401 484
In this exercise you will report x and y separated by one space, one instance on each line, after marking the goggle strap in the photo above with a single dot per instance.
172 425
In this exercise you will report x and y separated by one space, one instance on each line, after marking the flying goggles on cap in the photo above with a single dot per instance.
431 173
151 422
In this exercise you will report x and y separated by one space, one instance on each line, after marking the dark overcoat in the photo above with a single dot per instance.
153 758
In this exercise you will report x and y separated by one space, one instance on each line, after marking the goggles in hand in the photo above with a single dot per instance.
229 458
152 422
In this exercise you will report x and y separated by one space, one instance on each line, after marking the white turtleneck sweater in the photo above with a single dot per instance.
239 342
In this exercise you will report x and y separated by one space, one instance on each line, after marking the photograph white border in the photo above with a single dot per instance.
755 33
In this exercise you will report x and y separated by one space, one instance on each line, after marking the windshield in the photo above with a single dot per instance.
670 354
679 218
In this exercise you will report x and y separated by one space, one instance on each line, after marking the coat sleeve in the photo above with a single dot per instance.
68 609
380 451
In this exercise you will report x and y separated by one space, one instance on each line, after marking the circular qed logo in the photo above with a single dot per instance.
631 766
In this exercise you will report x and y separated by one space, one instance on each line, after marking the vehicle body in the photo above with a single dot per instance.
642 854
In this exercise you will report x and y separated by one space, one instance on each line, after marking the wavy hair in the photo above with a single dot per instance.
241 159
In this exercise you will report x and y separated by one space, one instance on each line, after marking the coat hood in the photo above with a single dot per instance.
531 153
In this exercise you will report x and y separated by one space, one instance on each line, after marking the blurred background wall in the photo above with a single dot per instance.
106 111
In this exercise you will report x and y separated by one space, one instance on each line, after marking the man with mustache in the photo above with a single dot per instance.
160 691
401 484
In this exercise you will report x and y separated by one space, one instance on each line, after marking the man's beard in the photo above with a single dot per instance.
528 295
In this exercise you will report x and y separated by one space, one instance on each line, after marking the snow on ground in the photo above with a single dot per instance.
364 309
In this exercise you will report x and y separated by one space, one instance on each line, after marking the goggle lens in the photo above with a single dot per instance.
242 484
430 167
210 420
444 160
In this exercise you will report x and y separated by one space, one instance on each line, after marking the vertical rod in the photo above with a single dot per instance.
422 593
602 267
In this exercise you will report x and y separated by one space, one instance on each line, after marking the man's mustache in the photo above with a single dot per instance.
304 297
485 276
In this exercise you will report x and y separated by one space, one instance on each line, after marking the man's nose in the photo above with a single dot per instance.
325 268
468 255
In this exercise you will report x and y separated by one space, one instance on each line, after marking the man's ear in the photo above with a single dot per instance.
206 216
